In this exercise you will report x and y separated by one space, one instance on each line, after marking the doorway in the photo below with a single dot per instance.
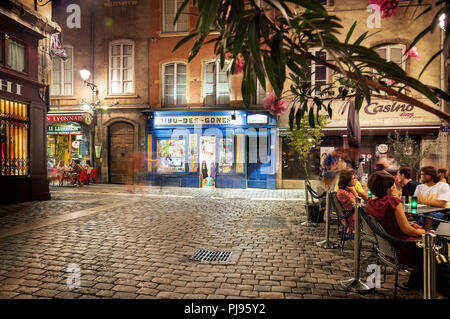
121 139
258 159
207 161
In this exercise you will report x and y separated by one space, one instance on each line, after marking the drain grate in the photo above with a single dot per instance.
211 255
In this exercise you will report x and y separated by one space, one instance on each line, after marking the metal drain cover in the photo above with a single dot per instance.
211 255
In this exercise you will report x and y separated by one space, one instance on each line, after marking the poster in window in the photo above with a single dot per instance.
171 156
226 155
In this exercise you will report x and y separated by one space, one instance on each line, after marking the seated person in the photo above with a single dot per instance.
357 187
404 177
432 192
61 169
388 210
88 167
346 194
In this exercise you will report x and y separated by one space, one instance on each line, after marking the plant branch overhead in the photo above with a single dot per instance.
276 42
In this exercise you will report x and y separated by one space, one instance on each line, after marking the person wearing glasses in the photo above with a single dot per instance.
432 192
347 194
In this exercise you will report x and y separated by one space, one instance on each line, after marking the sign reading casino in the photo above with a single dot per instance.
378 108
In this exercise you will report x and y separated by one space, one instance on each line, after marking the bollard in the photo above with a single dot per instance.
326 243
429 266
355 284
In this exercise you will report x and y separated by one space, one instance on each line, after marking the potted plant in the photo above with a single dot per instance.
306 135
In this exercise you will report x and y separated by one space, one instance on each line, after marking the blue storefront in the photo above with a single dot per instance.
223 149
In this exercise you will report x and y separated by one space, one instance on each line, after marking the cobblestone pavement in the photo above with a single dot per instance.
139 246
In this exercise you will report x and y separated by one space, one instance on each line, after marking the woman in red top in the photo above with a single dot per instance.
387 208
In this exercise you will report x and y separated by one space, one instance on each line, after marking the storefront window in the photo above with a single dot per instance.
14 127
66 141
171 156
293 166
226 155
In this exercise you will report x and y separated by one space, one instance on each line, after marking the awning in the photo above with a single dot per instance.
377 130
385 130
81 117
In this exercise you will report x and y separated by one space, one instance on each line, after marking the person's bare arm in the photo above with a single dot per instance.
363 195
403 223
431 202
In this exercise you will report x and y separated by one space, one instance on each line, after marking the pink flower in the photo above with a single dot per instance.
413 53
387 7
239 67
390 82
274 106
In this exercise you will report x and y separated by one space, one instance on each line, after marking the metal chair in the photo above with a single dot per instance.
342 217
386 247
320 196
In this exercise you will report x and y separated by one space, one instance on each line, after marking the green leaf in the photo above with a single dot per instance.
344 94
358 102
361 38
254 38
318 102
350 32
278 59
184 40
298 119
291 117
208 10
271 74
311 118
180 11
440 93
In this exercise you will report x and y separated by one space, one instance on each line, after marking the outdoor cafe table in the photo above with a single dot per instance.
425 209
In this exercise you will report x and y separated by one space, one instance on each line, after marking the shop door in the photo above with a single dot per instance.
121 137
207 160
258 160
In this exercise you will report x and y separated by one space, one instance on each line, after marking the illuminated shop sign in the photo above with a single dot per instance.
193 120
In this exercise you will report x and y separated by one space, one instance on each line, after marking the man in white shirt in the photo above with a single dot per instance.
432 192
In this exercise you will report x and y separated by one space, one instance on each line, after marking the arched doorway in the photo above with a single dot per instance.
121 138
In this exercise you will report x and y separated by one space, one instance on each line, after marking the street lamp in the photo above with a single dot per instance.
85 74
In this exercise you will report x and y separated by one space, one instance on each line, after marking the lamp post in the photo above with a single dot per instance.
85 74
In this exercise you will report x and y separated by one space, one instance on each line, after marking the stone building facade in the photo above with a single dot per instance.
112 40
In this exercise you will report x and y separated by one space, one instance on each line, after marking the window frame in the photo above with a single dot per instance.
217 73
258 100
388 52
5 39
63 75
163 20
313 51
121 42
163 83
2 49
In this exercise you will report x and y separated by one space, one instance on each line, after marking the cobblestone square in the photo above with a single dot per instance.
124 245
